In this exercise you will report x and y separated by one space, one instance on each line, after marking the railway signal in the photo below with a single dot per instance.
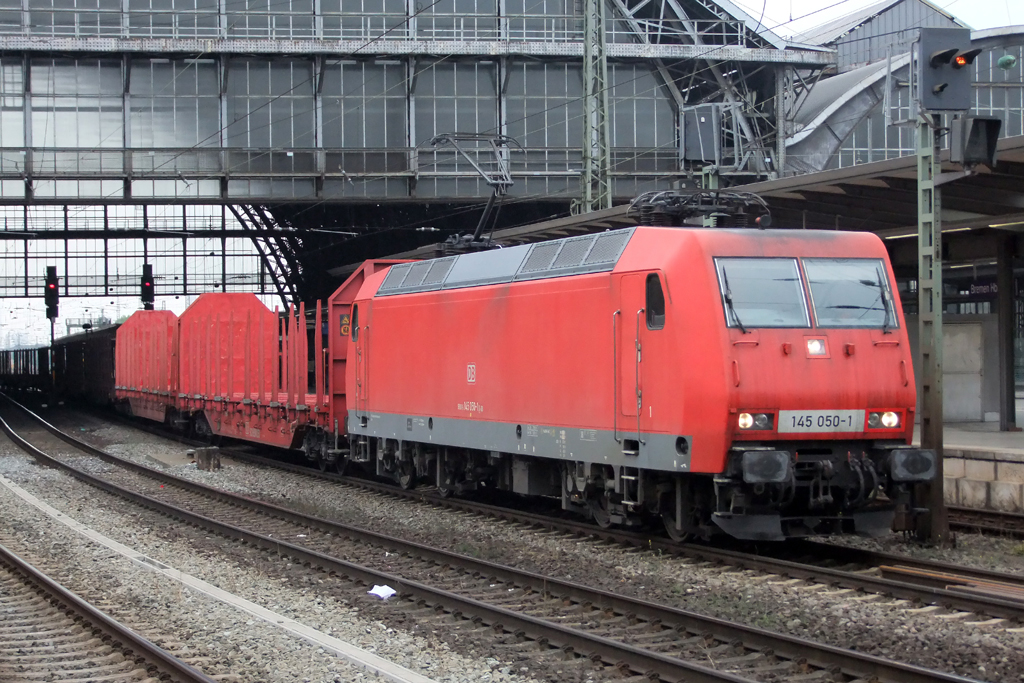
944 72
147 292
51 292
942 83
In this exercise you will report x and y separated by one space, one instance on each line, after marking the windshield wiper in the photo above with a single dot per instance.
885 301
728 302
854 306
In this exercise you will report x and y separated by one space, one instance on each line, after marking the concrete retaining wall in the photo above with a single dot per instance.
983 479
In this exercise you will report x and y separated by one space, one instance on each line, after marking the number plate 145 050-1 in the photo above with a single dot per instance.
821 421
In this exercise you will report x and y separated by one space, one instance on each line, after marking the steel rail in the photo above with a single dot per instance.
987 521
556 636
989 605
879 558
65 600
858 665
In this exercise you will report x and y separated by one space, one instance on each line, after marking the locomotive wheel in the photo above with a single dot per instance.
691 521
679 536
599 509
407 476
324 463
341 465
445 478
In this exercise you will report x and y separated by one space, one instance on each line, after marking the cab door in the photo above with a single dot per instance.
640 316
629 359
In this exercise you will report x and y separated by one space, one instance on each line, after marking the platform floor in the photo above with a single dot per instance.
981 436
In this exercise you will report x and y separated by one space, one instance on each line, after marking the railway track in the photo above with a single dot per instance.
610 635
48 633
987 521
925 583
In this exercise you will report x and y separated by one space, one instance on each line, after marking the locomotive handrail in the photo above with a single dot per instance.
639 395
615 378
366 367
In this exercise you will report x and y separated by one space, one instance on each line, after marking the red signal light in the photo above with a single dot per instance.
965 58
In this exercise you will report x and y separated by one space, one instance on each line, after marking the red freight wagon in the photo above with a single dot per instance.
758 382
231 367
146 363
245 369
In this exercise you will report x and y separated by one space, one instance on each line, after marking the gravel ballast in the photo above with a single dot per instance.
872 625
218 638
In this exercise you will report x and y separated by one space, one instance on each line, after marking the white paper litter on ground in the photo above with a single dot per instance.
382 592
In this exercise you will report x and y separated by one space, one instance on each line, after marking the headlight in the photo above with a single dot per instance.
886 420
816 347
755 421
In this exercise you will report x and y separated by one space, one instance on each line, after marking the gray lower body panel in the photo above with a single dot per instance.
656 451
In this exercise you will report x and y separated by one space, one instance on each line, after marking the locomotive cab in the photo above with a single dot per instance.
822 396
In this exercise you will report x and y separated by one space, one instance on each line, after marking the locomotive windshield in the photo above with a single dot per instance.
762 292
769 292
850 292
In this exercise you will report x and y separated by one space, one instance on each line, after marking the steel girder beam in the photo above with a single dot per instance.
629 11
729 91
138 233
412 48
276 250
665 18
650 21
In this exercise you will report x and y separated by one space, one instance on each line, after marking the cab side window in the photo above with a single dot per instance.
355 323
655 303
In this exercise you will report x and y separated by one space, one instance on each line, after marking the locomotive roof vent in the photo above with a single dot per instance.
595 253
418 276
716 208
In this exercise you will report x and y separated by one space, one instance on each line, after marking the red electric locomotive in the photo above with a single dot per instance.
753 382
757 382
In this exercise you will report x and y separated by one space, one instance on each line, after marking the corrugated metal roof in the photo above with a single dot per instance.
827 33
833 30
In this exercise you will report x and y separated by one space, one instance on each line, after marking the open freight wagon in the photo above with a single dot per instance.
231 367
